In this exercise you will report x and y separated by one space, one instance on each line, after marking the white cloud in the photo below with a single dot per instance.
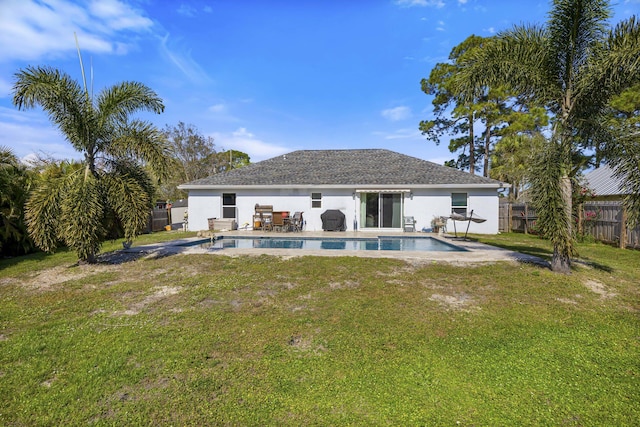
462 1
30 30
491 30
243 140
181 58
116 15
405 133
422 3
397 113
242 133
218 108
29 132
187 10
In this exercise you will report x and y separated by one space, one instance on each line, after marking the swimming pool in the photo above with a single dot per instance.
380 243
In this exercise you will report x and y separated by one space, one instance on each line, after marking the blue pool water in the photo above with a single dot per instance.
381 243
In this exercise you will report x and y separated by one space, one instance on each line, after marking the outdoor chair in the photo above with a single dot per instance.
409 223
297 222
279 221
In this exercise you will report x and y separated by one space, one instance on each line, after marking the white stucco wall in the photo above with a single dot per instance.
423 205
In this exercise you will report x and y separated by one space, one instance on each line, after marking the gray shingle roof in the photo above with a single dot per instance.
343 167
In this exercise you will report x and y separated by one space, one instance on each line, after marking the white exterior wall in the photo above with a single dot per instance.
423 205
429 203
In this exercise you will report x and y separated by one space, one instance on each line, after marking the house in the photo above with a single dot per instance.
374 188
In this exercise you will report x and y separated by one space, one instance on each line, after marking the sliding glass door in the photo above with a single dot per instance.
381 210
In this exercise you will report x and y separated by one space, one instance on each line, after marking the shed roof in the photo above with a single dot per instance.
358 167
603 182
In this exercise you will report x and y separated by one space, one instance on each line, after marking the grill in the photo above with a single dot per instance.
333 220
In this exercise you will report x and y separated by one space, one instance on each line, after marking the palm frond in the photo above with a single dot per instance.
121 100
81 215
546 179
576 28
42 213
60 97
625 161
514 58
129 191
142 141
620 62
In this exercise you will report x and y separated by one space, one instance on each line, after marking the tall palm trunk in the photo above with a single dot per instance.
561 260
472 148
487 149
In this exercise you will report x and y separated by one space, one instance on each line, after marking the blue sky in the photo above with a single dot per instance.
261 76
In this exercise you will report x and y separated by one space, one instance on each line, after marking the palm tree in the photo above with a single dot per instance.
573 66
14 185
111 182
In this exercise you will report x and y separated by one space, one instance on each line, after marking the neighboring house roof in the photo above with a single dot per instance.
341 168
181 203
603 182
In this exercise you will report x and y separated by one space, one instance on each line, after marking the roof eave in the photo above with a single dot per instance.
496 185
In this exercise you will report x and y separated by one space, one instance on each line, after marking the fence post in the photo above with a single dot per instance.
510 219
623 227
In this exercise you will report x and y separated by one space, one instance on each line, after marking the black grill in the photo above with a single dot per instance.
333 220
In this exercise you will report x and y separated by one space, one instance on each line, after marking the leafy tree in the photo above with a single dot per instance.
453 116
494 107
111 182
14 186
231 159
511 159
573 66
194 157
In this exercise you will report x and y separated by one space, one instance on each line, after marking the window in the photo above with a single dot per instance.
459 203
316 200
229 205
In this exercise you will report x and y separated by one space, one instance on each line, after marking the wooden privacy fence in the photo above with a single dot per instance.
158 220
605 221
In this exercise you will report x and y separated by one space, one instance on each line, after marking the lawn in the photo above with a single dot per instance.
214 340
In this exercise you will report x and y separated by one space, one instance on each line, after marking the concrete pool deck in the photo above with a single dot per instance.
475 252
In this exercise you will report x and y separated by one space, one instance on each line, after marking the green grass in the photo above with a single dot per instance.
213 340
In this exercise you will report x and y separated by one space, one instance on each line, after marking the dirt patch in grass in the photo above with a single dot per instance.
159 294
46 280
347 284
599 288
567 301
306 344
461 301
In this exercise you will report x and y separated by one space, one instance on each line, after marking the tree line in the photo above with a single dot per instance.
540 103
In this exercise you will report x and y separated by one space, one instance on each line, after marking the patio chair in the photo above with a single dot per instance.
297 222
279 220
409 223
